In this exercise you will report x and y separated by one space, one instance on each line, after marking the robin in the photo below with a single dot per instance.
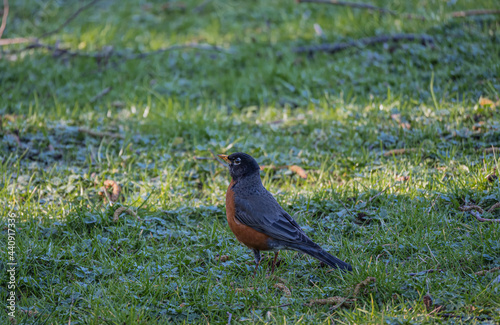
259 222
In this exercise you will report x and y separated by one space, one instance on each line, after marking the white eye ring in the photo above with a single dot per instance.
237 161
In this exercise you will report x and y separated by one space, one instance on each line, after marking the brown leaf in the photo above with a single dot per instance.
428 302
283 288
363 284
337 301
486 102
116 190
119 211
223 258
298 170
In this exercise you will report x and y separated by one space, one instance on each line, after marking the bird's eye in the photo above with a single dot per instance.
237 161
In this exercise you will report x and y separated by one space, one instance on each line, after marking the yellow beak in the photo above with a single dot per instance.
224 157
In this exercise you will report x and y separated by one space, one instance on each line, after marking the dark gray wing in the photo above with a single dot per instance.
264 214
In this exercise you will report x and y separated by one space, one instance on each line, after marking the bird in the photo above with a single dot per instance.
259 222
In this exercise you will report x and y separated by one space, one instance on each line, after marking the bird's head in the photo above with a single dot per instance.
240 164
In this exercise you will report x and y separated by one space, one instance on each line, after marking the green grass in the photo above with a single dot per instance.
333 115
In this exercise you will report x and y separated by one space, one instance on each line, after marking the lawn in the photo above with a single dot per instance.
396 140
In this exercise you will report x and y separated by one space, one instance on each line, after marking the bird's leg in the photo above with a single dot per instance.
274 261
256 254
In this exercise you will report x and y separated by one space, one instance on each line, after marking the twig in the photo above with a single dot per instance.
492 150
425 272
351 4
280 306
217 158
397 152
73 16
198 9
101 134
229 319
205 47
380 193
18 40
477 211
108 53
203 158
483 272
476 12
101 94
4 17
338 47
350 212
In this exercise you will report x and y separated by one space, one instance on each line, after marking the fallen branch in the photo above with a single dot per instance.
4 16
108 53
120 210
476 12
338 47
101 134
483 272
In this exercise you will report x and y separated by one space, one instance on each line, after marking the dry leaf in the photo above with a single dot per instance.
486 102
298 170
283 288
119 211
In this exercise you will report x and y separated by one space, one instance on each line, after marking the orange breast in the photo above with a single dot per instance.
245 234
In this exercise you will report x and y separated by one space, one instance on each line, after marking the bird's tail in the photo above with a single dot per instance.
323 256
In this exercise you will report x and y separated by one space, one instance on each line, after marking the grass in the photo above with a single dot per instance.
333 115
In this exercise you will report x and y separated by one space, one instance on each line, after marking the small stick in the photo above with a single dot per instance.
338 47
425 272
352 5
73 16
396 152
217 158
4 17
379 193
483 272
477 212
476 12
17 40
101 134
492 150
101 94
198 9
